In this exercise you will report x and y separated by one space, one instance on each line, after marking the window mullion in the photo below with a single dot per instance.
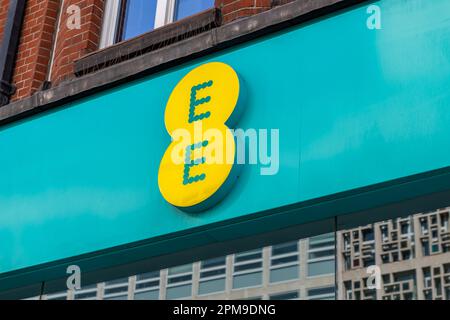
171 11
110 22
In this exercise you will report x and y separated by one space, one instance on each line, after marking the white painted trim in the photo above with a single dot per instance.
55 40
165 12
170 11
161 13
110 20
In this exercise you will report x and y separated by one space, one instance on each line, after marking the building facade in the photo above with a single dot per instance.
85 86
413 254
302 269
55 34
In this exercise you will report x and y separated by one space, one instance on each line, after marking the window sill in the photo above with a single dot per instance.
150 41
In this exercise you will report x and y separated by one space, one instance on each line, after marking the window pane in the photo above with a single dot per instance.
124 297
285 296
284 260
212 273
117 281
321 241
213 262
284 274
149 275
116 290
247 280
89 287
321 254
147 295
179 279
185 8
211 286
180 269
252 298
248 255
179 292
58 296
320 268
327 293
139 17
284 248
91 292
85 295
249 266
147 285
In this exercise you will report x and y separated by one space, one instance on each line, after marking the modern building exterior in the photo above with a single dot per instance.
293 270
333 108
413 254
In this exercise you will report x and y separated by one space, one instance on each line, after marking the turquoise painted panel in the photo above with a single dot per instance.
354 107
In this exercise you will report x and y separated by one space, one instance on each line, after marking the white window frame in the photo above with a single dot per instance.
83 291
165 14
125 285
110 20
210 278
323 295
249 271
181 283
321 259
274 257
147 289
271 296
56 295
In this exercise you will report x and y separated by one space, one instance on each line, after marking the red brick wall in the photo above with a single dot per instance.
3 14
235 9
38 37
35 46
73 44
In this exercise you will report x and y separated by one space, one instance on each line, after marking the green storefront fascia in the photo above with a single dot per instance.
364 122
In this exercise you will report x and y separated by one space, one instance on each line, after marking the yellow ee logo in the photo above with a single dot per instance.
198 167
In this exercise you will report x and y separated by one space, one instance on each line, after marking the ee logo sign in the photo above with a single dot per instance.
198 167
